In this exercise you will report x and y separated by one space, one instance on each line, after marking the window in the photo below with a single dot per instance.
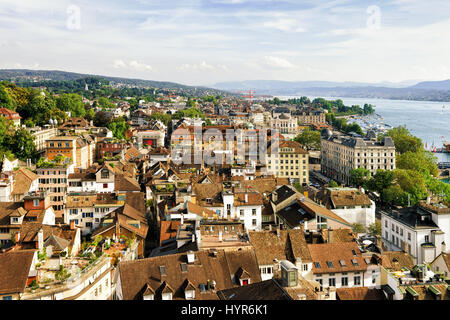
427 239
332 282
317 265
105 186
305 267
254 212
357 280
344 281
254 222
355 263
409 236
36 202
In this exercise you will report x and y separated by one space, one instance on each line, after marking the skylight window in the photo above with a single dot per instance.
355 263
317 265
330 264
162 270
342 263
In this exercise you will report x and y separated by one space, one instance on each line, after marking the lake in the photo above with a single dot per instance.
429 121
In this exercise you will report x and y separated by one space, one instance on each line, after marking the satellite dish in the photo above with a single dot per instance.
367 242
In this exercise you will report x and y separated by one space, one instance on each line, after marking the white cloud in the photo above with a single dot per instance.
283 24
118 64
277 62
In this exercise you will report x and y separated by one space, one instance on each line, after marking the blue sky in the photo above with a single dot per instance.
203 42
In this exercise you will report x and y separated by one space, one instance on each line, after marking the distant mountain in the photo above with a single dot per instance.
21 75
422 91
433 85
289 85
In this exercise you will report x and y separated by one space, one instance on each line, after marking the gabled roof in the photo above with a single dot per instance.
23 178
14 269
135 275
396 260
335 253
360 293
124 183
289 245
264 290
58 243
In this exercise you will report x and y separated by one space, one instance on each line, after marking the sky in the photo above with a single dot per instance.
201 42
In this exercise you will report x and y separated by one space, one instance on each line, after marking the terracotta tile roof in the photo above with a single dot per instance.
23 178
254 199
168 230
396 260
264 290
136 200
80 201
10 208
124 183
10 114
313 207
339 197
291 244
138 274
14 269
199 210
205 191
339 254
131 153
337 235
360 293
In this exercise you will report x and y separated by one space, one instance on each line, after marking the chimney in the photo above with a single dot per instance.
443 247
40 239
17 237
220 236
182 218
72 224
190 257
246 198
270 227
278 232
193 237
404 247
274 196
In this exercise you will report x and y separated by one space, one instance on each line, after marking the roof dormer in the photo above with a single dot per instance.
149 293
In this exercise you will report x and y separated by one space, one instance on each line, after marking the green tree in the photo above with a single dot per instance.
420 161
309 139
71 102
375 228
381 180
359 176
358 228
333 184
404 141
394 195
119 128
22 145
102 119
5 99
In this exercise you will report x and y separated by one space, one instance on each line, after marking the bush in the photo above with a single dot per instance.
358 228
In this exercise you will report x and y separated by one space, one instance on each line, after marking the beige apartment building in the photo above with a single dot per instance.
81 150
341 153
291 162
310 117
285 124
41 135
